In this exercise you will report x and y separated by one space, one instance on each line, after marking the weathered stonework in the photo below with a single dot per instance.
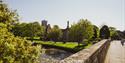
94 54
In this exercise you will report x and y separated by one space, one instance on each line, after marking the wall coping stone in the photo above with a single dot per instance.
83 55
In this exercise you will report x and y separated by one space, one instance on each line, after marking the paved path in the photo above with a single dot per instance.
116 53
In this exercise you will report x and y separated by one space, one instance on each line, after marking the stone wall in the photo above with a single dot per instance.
94 54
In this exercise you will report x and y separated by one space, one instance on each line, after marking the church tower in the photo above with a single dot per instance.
67 24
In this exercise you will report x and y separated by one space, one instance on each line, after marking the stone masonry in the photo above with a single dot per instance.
94 54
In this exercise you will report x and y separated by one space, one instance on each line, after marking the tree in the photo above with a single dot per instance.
7 16
104 32
28 30
19 29
96 32
33 29
124 34
120 35
55 33
14 49
80 31
113 33
112 30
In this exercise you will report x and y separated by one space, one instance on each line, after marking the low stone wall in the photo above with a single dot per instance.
94 54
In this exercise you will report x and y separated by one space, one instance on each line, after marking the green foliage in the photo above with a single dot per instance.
18 29
113 33
104 32
82 30
96 32
28 29
15 49
124 34
55 33
7 16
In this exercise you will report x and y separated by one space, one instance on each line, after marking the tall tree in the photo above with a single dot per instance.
96 32
113 33
104 32
55 33
80 31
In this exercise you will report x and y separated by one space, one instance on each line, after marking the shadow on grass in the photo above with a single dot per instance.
72 50
80 47
64 47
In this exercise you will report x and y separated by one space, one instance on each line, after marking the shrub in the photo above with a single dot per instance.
15 49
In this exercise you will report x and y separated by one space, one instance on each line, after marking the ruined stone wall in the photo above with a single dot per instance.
94 54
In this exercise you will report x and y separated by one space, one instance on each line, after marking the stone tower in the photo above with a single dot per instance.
67 24
44 23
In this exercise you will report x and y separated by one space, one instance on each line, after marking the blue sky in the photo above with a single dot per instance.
99 12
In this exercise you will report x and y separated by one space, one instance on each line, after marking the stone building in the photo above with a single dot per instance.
44 23
65 32
48 28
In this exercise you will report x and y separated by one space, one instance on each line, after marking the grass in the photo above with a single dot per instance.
61 44
68 45
36 38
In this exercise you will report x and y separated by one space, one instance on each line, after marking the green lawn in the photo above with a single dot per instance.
68 45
